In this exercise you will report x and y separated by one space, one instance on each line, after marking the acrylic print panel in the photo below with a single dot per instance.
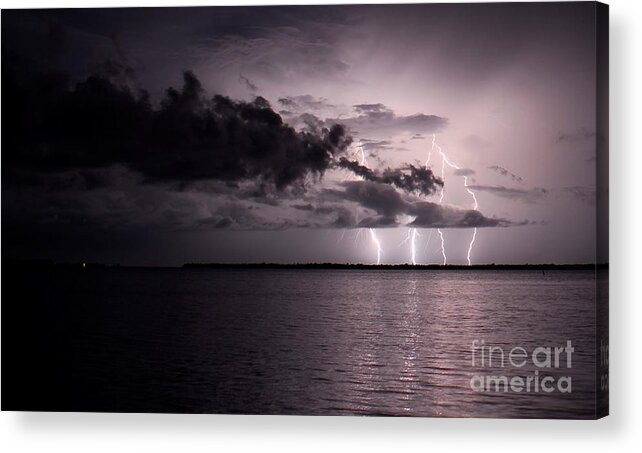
315 210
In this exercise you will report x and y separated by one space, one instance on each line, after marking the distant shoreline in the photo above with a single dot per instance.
347 266
50 264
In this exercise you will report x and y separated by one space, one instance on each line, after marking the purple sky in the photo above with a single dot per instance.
508 90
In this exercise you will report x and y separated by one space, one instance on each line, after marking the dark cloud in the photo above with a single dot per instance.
379 197
305 103
584 194
303 207
502 171
216 223
246 82
55 127
344 217
433 215
108 156
330 215
523 195
374 147
239 215
389 204
120 176
381 119
378 222
575 136
288 102
306 122
411 179
374 110
362 119
127 205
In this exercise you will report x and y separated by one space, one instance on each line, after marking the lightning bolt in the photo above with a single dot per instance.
411 237
445 161
373 234
441 196
414 246
362 161
443 249
429 155
428 241
472 240
470 247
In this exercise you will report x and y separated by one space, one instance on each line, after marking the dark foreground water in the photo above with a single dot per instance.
292 341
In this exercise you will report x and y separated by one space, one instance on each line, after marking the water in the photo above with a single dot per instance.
341 342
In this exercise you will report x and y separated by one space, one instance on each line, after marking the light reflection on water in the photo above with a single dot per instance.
320 341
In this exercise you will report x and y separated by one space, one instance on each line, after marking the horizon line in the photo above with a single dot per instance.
47 263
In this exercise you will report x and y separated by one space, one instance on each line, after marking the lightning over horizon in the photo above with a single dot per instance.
412 233
273 210
377 244
445 161
412 238
441 196
373 234
259 129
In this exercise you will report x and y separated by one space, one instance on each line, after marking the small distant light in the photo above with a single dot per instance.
84 265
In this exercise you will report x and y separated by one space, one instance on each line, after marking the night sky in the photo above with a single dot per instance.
284 134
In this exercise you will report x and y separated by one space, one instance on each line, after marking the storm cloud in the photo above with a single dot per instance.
363 119
383 120
504 172
102 161
523 195
389 204
412 179
53 127
433 215
101 136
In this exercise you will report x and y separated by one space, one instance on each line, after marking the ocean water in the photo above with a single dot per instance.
322 342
